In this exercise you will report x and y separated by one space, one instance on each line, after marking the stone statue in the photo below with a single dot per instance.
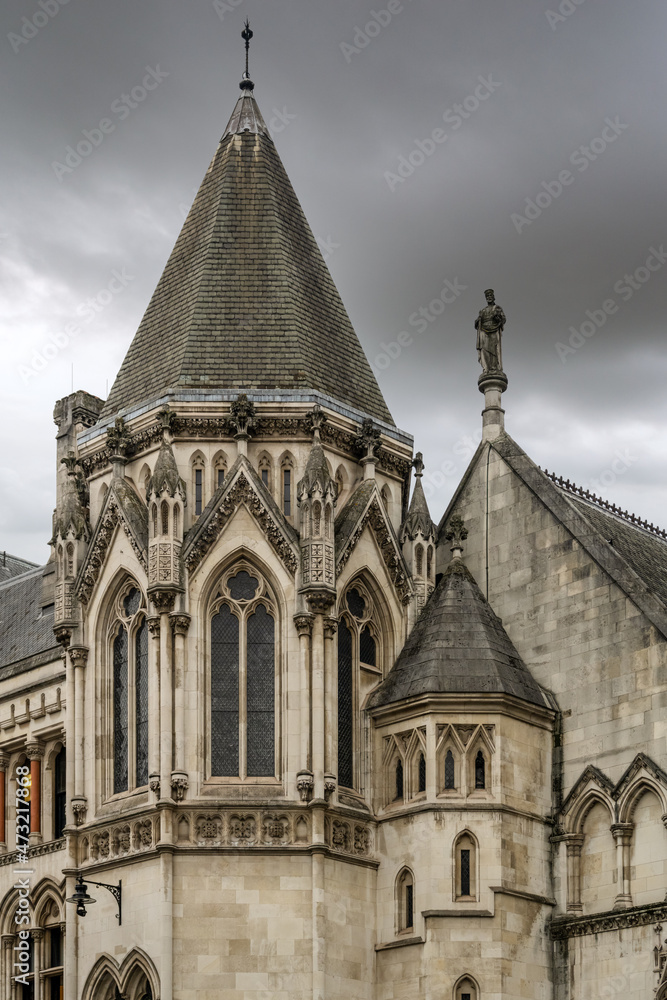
489 325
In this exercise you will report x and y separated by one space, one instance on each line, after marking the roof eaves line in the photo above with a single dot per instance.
38 571
636 589
257 396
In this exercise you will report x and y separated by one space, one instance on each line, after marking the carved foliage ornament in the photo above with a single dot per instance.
111 517
391 555
241 493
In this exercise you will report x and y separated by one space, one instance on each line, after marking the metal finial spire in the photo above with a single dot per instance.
246 35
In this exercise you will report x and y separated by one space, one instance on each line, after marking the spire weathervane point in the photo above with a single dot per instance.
246 35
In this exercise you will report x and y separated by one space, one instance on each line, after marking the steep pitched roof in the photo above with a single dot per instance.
458 646
26 629
632 557
245 300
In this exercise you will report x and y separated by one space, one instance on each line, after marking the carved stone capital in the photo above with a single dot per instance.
180 622
154 626
4 761
154 782
330 627
319 601
573 842
163 600
79 808
63 634
34 750
305 784
304 624
36 933
79 655
330 785
179 784
622 832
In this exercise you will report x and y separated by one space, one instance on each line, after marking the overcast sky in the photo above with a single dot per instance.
544 179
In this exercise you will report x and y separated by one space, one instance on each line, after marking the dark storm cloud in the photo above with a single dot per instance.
356 98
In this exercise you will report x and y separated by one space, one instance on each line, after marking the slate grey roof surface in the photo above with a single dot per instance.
11 566
246 301
458 646
25 628
646 553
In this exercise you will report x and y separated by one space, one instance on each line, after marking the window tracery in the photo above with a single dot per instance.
129 645
358 649
243 677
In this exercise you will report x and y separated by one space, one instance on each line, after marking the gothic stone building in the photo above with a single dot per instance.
328 748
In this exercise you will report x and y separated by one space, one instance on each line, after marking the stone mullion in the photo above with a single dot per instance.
37 935
7 958
622 833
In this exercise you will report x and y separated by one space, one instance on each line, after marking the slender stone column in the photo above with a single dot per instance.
154 704
70 728
8 987
166 923
35 752
573 843
493 385
304 779
37 935
70 951
318 706
330 763
4 763
166 704
318 926
622 833
79 658
180 624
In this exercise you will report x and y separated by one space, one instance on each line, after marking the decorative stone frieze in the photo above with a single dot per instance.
562 928
34 851
348 837
256 828
118 841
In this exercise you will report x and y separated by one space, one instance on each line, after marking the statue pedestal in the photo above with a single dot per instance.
493 385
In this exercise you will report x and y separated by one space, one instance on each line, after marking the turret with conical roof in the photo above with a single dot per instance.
246 301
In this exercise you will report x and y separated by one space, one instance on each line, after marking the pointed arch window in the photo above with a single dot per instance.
198 472
480 770
243 678
419 560
264 466
466 989
450 770
465 868
219 470
399 779
421 777
287 490
405 901
130 692
359 649
59 794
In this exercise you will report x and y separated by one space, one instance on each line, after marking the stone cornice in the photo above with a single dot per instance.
485 704
33 852
565 927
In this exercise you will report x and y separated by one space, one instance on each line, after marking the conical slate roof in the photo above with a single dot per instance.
419 516
246 301
458 646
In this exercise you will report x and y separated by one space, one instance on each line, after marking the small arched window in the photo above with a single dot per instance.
154 517
70 560
429 563
480 770
264 467
219 470
405 901
421 773
419 560
466 989
164 517
328 518
450 770
465 868
177 520
399 779
130 693
286 487
317 516
198 469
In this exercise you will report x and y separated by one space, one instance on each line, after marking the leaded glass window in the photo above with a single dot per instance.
129 655
345 707
243 678
422 773
399 779
287 492
359 655
465 872
450 774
